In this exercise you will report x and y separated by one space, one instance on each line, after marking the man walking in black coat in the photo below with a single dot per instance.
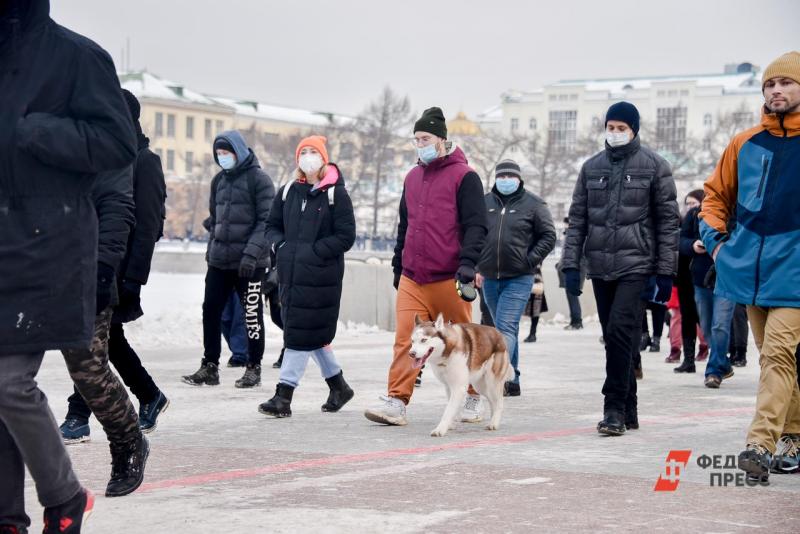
62 121
238 254
624 218
149 195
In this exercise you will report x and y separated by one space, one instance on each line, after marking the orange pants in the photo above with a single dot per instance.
427 301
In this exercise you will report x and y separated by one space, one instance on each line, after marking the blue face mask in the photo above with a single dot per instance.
226 161
506 186
428 153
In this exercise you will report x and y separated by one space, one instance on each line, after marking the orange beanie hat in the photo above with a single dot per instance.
316 142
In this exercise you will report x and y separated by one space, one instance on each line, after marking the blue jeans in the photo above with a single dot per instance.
233 328
715 314
506 300
295 362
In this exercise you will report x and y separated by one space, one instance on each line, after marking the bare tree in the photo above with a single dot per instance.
487 149
378 126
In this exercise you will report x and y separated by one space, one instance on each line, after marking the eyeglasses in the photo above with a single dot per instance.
423 141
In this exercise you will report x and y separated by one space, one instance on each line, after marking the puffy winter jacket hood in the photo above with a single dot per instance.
244 156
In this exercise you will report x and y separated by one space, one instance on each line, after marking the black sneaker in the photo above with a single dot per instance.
149 412
233 361
74 431
787 455
756 461
128 461
574 326
251 377
208 375
612 424
11 529
511 389
280 405
530 339
68 518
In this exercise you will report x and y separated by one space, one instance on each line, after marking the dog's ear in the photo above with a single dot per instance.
439 323
417 320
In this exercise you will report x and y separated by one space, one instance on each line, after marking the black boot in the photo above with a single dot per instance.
631 419
655 344
251 377
532 336
279 405
208 374
127 466
687 366
279 362
340 393
613 423
739 357
644 342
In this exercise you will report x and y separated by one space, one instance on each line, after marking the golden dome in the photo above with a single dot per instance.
461 125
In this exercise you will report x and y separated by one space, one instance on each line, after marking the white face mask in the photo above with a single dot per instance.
310 163
618 138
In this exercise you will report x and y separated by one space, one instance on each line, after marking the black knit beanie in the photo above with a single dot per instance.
625 112
508 167
432 121
133 104
223 144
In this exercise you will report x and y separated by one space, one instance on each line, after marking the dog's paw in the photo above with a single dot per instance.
492 426
438 432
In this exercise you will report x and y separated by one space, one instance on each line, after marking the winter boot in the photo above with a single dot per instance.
251 377
739 357
68 518
631 419
655 344
644 342
339 395
703 354
208 374
688 357
511 389
128 461
532 336
280 405
674 355
613 424
149 412
279 362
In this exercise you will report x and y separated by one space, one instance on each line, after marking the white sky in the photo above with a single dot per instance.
337 55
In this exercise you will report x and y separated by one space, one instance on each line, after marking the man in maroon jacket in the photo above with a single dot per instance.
440 238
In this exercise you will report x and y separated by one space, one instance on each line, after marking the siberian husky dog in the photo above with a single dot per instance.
460 355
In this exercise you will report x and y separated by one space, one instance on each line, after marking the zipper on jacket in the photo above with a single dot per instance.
499 234
764 167
766 203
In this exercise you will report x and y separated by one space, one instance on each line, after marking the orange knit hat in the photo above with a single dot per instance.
316 142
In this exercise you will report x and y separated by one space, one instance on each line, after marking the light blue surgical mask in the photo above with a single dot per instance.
226 161
428 153
506 186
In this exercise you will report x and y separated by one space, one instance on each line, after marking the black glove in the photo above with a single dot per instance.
663 288
105 277
710 279
247 267
396 282
572 282
465 274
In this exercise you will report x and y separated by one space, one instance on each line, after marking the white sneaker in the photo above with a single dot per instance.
473 409
391 411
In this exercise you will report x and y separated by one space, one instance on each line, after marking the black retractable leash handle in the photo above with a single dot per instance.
467 292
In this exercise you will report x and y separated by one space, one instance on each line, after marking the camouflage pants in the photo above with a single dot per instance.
100 387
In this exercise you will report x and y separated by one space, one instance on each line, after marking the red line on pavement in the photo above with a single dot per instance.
195 480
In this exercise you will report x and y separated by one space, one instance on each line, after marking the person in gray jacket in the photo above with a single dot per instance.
624 219
238 254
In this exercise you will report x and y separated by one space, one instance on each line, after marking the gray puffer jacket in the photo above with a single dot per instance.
624 215
239 204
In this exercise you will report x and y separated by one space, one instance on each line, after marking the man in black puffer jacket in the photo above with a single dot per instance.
624 218
238 254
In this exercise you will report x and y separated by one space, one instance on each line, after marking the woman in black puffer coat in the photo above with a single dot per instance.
311 225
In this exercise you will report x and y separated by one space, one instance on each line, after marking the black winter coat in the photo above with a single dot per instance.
63 120
624 216
240 202
149 197
521 234
690 232
311 236
113 199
